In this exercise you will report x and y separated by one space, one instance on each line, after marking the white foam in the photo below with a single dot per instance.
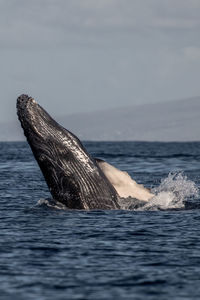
172 192
51 203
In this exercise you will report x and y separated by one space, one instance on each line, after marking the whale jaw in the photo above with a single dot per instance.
72 175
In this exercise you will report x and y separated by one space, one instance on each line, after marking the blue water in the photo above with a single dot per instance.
154 253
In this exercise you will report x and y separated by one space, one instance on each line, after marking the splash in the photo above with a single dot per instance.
131 203
172 193
51 203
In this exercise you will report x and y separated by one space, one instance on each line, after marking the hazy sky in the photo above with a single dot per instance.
80 55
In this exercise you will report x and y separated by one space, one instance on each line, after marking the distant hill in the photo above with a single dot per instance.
167 121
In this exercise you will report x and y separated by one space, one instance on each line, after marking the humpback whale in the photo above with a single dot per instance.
73 176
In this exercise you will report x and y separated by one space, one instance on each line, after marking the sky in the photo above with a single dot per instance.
84 55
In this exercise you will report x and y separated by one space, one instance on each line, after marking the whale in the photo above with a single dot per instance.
73 176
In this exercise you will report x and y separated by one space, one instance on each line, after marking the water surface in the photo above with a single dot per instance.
154 253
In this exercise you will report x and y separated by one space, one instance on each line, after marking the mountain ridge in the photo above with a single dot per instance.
177 120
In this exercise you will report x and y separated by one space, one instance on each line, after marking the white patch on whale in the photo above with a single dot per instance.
123 183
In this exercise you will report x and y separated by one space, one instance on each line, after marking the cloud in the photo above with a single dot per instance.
99 52
192 53
52 22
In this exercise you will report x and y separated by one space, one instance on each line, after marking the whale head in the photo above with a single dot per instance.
72 175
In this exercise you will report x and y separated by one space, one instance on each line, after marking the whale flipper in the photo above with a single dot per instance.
123 183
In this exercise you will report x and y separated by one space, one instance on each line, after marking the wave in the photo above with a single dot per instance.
156 156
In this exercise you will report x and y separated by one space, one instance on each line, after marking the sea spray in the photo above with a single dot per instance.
172 192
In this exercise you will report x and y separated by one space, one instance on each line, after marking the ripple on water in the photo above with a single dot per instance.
50 253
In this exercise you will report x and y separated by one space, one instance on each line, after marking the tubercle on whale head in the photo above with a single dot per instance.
25 105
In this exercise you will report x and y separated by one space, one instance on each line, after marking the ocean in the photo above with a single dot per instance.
151 252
